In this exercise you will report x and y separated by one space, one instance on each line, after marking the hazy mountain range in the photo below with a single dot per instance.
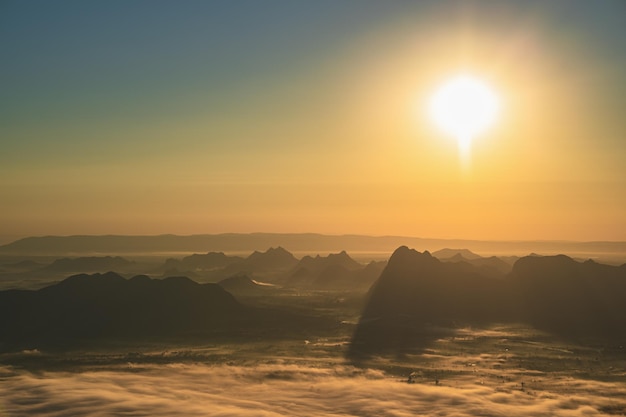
306 242
279 266
107 308
244 286
275 265
84 307
414 297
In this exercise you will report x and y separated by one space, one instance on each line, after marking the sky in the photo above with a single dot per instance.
151 117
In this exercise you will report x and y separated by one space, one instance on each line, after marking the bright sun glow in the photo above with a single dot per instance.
464 107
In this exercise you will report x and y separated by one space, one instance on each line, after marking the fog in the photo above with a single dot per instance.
280 389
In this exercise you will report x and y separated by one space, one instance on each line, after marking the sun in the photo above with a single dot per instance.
464 107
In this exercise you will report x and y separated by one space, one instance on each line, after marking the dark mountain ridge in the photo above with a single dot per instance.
272 261
569 297
553 293
447 253
279 266
242 285
334 271
492 266
434 290
108 305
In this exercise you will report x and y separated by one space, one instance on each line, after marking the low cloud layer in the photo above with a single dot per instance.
287 390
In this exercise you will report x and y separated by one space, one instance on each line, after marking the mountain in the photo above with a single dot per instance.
210 261
418 296
319 263
575 298
509 259
273 260
421 286
449 253
371 272
100 306
336 271
242 285
492 266
324 272
214 266
301 242
88 264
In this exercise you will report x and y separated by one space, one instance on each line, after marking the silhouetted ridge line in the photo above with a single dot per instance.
417 293
421 286
242 285
577 298
204 262
108 305
111 244
336 271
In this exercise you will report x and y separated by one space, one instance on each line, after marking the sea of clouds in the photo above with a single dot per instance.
272 390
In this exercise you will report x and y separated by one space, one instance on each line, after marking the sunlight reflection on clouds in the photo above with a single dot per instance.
278 390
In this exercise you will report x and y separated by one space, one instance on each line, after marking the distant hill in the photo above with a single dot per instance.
215 266
492 266
417 293
309 268
304 242
566 296
341 278
318 263
242 285
273 260
450 253
85 307
88 264
201 262
371 272
335 271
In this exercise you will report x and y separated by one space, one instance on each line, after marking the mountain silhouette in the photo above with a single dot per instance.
422 286
569 297
335 271
84 310
319 263
418 296
273 260
84 307
447 253
492 266
242 285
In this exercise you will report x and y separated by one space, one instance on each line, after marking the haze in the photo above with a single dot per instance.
281 117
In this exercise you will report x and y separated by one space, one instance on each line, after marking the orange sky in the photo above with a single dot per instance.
313 122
